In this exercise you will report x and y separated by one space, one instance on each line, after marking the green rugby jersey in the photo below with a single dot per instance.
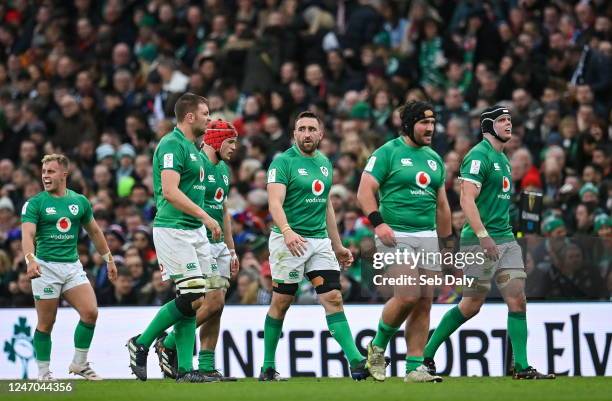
409 179
217 189
175 152
308 180
490 169
58 224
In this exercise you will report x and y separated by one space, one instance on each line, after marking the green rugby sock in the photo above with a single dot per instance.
166 317
384 334
413 362
517 331
449 323
341 331
206 360
42 346
170 340
83 334
272 333
185 341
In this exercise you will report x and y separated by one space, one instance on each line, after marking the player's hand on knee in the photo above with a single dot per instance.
344 256
489 248
112 271
214 228
33 270
295 242
385 234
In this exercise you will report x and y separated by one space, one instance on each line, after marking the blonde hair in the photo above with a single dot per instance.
61 159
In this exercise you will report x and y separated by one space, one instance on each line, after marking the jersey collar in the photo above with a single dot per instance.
180 133
403 141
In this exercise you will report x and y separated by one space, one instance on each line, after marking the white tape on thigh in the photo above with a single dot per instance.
196 285
503 278
216 282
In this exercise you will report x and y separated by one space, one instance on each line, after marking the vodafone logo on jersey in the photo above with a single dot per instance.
63 224
318 187
423 179
219 195
505 184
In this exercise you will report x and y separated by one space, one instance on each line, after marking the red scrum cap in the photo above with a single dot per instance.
217 132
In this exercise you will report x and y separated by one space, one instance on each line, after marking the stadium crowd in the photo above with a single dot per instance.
97 81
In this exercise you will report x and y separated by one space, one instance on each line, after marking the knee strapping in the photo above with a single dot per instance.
189 290
503 278
324 280
183 303
284 288
481 286
216 282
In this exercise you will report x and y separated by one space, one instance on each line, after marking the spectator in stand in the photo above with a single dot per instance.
121 292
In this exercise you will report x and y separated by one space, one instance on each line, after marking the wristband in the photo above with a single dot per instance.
375 218
482 234
29 255
285 228
233 253
108 257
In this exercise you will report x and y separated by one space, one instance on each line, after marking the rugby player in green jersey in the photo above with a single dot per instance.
180 239
218 147
305 241
486 185
412 213
51 223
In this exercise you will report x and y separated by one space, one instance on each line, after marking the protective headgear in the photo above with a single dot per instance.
413 112
217 132
488 118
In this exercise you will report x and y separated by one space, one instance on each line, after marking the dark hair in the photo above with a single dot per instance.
595 167
139 186
187 103
309 114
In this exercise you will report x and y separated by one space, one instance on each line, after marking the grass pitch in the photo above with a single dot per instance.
310 389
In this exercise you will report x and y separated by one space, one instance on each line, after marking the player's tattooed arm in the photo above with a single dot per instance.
170 180
276 197
469 193
97 237
366 196
332 226
28 233
344 255
443 214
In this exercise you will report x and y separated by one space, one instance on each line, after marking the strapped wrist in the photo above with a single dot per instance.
108 257
482 233
29 257
375 218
